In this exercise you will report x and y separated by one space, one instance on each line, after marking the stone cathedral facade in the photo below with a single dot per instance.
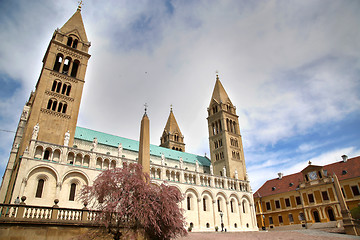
52 158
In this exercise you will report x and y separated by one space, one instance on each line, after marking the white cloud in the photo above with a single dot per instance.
287 66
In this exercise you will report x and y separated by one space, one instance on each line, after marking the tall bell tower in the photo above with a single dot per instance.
52 109
225 141
55 103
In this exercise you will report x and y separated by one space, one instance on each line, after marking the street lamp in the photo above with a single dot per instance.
222 224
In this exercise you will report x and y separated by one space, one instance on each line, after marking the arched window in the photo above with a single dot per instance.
68 90
54 104
75 43
75 68
188 203
231 206
47 154
69 42
219 205
58 87
60 106
49 104
58 61
72 192
244 207
53 88
204 204
64 108
63 91
66 67
39 188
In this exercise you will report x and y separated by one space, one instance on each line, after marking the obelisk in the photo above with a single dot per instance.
144 144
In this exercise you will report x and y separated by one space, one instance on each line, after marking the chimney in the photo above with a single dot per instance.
280 175
345 158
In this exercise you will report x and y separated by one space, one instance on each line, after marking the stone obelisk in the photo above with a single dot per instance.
144 144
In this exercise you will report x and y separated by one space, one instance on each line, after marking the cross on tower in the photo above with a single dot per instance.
145 105
80 4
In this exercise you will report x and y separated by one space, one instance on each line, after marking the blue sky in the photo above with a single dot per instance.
291 68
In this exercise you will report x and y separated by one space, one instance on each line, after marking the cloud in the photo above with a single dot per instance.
289 67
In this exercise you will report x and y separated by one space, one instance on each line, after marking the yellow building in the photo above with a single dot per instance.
309 196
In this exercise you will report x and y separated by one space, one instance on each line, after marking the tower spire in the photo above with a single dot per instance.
172 137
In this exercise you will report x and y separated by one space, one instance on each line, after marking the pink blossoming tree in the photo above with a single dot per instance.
126 199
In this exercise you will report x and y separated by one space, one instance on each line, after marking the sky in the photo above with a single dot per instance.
291 68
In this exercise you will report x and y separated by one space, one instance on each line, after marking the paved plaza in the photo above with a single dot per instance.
283 235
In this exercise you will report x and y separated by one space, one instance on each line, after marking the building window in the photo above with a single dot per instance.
291 218
343 192
301 216
271 221
325 195
219 206
207 225
204 204
287 202
58 61
298 201
311 198
280 219
39 188
277 203
69 42
188 203
355 190
75 43
72 192
268 206
231 206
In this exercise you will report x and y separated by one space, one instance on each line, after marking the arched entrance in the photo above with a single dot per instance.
331 215
316 216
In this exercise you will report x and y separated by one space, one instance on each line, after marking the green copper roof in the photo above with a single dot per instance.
132 145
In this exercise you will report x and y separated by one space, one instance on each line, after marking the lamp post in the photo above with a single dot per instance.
222 224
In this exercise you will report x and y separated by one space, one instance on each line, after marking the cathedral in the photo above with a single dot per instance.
52 158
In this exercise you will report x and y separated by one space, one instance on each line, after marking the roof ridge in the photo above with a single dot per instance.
167 149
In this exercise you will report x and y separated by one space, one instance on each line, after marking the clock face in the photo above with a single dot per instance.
312 175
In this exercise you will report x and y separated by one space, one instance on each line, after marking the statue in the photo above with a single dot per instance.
24 115
67 138
181 163
35 131
120 150
162 160
94 143
211 169
224 171
236 174
197 166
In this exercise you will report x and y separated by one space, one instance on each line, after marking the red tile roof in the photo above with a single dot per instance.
343 170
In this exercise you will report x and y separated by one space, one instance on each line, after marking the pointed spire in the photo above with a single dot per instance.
219 93
75 24
171 124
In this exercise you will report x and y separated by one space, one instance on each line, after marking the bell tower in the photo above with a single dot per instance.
172 137
55 103
225 141
52 109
